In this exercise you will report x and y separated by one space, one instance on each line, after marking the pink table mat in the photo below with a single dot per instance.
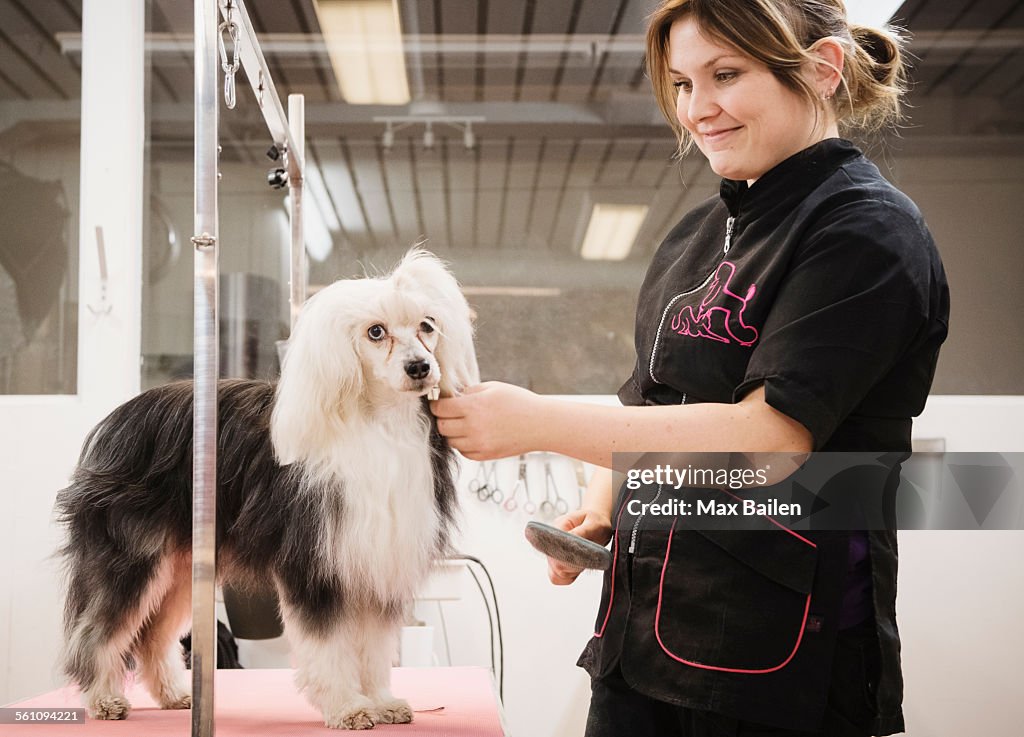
448 702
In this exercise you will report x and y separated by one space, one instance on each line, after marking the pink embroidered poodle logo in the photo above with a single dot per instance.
722 322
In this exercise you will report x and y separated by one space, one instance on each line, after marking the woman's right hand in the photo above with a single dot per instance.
589 524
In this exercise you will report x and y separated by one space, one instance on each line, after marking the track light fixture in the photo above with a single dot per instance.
394 124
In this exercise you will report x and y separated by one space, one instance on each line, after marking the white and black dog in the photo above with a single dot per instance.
333 486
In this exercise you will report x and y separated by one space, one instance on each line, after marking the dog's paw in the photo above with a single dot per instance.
394 711
358 715
110 707
184 701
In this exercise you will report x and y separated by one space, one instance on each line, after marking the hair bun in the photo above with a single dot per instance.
882 47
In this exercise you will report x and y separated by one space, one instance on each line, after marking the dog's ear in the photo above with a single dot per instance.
320 377
423 273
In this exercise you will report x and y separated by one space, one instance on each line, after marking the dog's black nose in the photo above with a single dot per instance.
417 369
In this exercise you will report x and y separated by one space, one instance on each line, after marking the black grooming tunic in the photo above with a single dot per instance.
821 283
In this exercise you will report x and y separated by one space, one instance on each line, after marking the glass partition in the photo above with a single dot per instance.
500 134
40 119
254 231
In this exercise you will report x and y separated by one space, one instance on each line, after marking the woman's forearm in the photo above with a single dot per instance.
594 432
496 420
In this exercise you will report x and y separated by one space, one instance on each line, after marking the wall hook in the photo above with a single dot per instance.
104 307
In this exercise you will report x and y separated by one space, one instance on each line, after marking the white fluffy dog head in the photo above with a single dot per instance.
361 346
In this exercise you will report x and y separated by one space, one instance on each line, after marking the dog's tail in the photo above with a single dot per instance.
119 525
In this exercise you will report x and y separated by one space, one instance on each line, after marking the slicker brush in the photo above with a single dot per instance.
570 549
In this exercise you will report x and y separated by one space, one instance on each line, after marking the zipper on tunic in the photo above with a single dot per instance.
728 234
729 224
636 525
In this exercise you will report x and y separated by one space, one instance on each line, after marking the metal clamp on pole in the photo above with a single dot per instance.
203 241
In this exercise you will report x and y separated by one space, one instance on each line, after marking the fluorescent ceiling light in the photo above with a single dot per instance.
611 231
511 291
872 12
364 43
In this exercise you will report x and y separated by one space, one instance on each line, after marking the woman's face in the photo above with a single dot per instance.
739 114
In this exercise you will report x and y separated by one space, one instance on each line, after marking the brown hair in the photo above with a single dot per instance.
780 34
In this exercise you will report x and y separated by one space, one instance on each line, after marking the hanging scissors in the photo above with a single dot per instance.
485 483
511 504
529 507
553 503
521 483
478 484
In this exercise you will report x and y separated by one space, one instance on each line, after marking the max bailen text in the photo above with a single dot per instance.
711 508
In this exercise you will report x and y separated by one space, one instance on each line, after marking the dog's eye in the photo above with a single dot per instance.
376 333
426 326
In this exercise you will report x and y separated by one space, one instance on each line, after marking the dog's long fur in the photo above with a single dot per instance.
333 486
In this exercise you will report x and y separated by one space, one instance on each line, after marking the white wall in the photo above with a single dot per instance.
545 626
961 595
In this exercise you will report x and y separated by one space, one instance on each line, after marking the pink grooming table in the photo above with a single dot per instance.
266 703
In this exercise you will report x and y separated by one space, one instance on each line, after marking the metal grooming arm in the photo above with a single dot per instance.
287 132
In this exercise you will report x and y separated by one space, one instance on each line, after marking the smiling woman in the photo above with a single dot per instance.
738 112
847 74
802 309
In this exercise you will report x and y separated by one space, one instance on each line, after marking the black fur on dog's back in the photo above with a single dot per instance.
129 505
134 478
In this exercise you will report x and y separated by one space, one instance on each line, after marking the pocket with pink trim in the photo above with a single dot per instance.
734 601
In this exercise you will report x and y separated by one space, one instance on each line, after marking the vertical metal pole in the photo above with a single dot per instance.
204 459
297 127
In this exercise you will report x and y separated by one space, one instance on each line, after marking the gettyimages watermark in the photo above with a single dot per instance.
823 491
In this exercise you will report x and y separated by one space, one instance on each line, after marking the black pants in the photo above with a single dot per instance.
616 710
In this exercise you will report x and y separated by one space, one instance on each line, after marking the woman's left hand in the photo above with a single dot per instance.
490 420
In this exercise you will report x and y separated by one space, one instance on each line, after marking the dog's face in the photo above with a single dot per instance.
362 344
396 348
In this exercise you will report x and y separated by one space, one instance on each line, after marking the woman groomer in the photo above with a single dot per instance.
801 309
